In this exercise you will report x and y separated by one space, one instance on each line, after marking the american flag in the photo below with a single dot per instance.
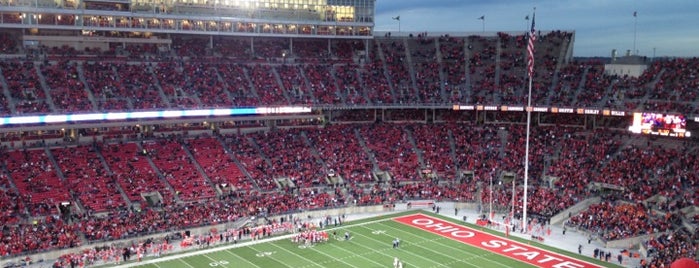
530 49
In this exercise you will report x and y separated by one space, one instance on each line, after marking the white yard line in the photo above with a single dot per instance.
302 257
358 255
239 257
271 257
186 263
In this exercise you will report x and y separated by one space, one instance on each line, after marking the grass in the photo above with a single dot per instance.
370 246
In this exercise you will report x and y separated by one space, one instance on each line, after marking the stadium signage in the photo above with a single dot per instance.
541 109
502 246
506 108
565 110
591 111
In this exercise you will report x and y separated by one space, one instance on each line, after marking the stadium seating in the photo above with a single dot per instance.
133 172
399 71
88 179
23 82
216 163
342 153
612 221
35 177
178 170
665 249
290 157
392 150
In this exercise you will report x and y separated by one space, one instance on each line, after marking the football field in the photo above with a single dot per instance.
426 240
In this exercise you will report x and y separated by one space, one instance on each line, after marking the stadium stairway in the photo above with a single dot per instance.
307 83
367 151
45 87
418 152
106 167
314 151
13 186
196 164
115 72
160 175
554 80
7 94
467 71
280 84
241 167
498 71
384 68
260 152
62 177
357 74
581 85
224 82
411 68
452 152
250 85
157 85
338 92
652 84
81 75
442 76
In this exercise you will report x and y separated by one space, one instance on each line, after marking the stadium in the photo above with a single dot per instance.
291 133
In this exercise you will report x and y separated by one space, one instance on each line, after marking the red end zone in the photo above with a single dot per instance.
505 247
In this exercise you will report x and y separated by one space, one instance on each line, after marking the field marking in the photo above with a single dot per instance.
359 255
216 261
446 246
292 253
240 257
243 244
332 257
382 242
270 256
473 231
186 263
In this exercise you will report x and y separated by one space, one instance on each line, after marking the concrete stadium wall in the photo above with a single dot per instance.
580 206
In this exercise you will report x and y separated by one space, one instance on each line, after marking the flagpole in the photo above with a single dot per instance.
635 22
514 192
530 71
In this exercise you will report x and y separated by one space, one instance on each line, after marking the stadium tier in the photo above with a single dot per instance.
388 118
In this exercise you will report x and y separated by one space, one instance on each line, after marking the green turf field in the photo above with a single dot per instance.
369 246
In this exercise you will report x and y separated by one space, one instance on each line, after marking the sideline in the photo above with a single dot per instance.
227 247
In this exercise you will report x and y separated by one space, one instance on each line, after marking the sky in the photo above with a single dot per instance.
662 27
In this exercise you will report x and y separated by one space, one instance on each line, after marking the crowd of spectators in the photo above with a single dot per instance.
474 69
259 164
667 248
314 154
178 169
618 220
